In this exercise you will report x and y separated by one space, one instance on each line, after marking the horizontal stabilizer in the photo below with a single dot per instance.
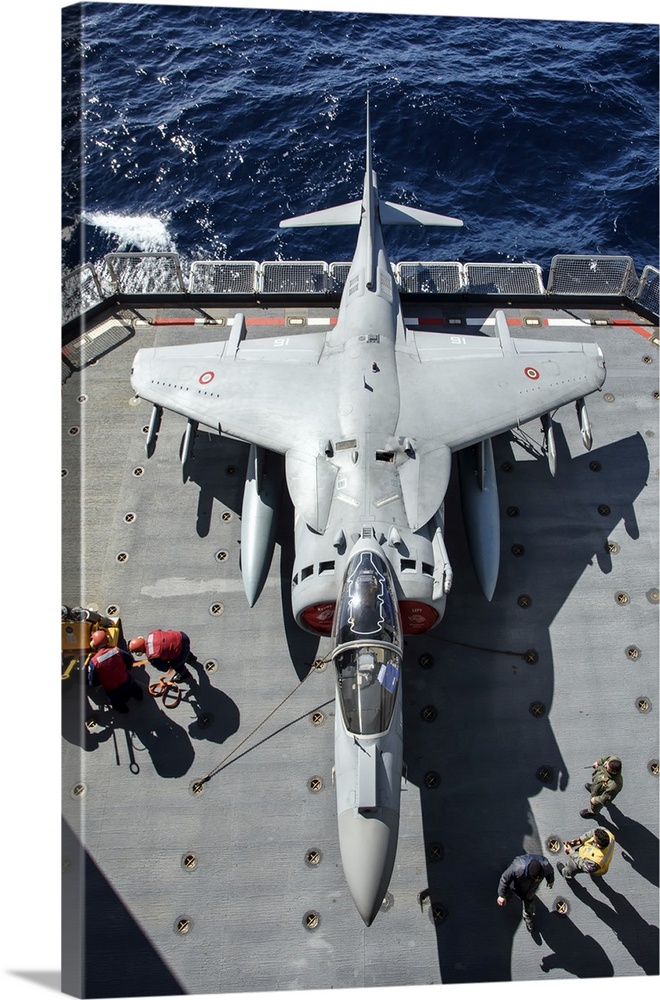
348 214
403 215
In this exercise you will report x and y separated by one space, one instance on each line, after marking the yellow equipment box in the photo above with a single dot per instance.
76 636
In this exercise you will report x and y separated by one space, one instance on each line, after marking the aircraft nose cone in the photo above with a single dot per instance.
367 843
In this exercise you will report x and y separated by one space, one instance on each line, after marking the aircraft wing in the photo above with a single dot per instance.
265 391
457 390
268 391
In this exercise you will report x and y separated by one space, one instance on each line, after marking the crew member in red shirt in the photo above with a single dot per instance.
111 668
166 650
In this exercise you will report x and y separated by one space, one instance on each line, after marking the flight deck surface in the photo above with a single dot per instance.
235 883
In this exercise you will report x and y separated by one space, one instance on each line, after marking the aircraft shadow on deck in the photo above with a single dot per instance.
484 751
219 468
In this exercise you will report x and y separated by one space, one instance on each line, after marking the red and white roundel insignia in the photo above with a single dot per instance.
532 373
206 377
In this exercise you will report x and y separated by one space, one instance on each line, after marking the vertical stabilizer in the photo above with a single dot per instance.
375 212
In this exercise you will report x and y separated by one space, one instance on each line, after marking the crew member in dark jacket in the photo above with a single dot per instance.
167 650
606 783
111 668
524 876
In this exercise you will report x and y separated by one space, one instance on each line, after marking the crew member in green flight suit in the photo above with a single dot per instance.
606 783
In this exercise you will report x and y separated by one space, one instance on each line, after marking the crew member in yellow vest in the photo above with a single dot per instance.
590 853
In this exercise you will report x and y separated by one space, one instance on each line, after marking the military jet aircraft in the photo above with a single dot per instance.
367 417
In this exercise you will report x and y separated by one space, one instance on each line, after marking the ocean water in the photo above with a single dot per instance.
196 129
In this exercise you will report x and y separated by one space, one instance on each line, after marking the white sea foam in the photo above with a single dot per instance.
147 233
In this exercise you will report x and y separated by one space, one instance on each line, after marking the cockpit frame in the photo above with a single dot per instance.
368 648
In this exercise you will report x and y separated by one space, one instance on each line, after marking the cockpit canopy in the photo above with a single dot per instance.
367 609
367 638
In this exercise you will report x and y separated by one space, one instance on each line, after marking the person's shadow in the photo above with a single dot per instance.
576 953
636 935
149 728
639 847
217 716
146 728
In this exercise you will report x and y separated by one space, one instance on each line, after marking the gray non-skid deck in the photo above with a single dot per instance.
505 706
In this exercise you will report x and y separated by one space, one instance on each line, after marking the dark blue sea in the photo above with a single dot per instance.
196 129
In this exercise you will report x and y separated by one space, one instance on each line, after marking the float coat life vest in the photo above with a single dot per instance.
111 670
590 851
164 645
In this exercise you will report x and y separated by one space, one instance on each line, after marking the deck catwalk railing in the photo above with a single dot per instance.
163 274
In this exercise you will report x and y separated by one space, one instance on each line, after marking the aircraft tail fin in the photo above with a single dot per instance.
370 207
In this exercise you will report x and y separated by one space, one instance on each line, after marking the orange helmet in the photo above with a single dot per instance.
137 645
99 639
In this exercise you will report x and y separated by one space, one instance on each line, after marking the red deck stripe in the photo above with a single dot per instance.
646 332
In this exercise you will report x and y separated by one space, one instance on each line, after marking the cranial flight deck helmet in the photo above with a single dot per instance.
99 639
137 645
